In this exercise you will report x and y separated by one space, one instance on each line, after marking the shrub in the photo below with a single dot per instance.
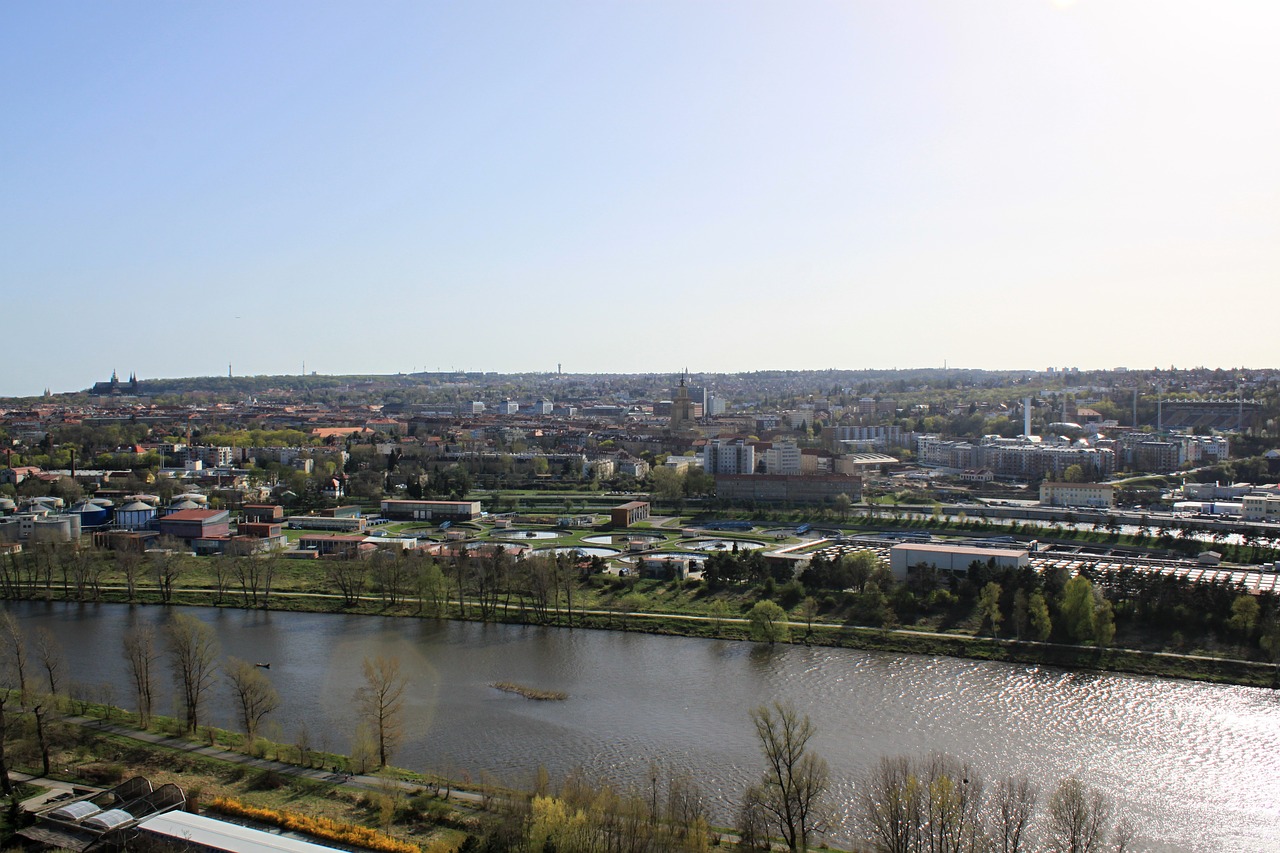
319 827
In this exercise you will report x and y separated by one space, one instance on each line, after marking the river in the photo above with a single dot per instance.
1196 766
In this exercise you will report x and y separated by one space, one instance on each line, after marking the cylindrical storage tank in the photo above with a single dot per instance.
194 497
52 528
91 514
10 529
135 515
7 506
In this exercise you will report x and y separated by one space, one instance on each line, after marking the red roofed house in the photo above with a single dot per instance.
17 475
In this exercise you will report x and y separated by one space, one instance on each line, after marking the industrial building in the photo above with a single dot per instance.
431 510
780 488
629 513
952 558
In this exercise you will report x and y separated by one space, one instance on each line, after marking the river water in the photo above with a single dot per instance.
1196 766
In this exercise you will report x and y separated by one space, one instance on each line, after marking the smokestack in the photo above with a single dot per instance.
1026 416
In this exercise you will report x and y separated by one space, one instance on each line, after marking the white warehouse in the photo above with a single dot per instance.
951 558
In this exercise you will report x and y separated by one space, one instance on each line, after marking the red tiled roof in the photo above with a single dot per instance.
192 515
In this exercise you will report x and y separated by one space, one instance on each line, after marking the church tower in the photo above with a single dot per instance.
682 407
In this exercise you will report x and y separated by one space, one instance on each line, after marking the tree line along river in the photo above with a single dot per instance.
1195 766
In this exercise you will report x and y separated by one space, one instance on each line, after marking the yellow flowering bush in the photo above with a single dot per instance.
319 827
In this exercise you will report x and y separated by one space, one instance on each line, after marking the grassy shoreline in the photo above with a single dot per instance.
905 641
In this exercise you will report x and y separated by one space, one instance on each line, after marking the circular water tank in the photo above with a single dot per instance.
135 515
53 528
91 514
10 529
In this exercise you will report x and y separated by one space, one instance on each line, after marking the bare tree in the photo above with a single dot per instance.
49 653
924 806
254 695
381 701
220 571
1078 818
891 803
795 780
15 652
167 566
193 655
1015 801
40 711
141 656
5 784
753 821
349 577
128 562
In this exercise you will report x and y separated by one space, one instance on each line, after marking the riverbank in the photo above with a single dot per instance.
389 810
902 640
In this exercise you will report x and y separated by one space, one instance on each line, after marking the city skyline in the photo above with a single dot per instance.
506 188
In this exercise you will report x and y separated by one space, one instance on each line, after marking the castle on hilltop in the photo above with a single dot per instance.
114 387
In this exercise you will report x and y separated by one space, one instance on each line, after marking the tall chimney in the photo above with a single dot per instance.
1026 416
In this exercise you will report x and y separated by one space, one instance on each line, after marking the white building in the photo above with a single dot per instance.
508 407
1260 508
735 457
1097 495
952 558
783 458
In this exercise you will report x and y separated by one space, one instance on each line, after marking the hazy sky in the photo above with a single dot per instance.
635 186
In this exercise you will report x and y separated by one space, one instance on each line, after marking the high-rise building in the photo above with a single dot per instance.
734 457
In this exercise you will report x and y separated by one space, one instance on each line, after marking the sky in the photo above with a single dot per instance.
614 186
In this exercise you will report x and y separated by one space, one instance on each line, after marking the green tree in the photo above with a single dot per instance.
768 623
1104 623
989 606
1244 615
1079 612
1073 474
843 504
668 483
1021 613
719 613
1038 611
